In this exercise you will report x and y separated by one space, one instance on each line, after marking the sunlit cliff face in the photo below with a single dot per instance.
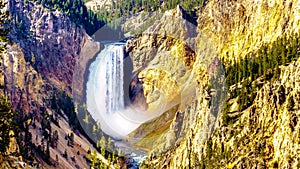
164 80
165 77
173 71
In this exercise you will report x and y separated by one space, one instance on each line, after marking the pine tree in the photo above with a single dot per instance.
65 155
109 144
4 28
6 112
6 122
48 150
94 159
103 145
72 138
55 139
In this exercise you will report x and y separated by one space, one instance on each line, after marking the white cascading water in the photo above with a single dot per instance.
105 95
113 65
105 92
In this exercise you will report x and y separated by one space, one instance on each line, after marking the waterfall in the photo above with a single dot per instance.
105 91
107 72
112 58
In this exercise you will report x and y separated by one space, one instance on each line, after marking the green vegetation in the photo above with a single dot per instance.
77 12
6 123
4 28
4 31
102 142
247 141
6 113
91 21
126 8
107 151
246 76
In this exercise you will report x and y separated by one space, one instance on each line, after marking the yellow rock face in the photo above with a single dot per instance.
173 73
166 75
265 134
238 27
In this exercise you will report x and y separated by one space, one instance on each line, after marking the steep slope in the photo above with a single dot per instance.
38 81
257 42
170 71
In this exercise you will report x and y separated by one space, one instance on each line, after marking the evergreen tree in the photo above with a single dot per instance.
6 122
6 113
103 145
65 155
4 28
54 139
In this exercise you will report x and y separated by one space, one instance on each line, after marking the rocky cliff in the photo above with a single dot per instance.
12 162
257 43
38 77
175 81
49 40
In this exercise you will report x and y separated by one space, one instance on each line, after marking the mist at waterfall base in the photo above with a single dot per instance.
108 91
105 92
108 94
107 87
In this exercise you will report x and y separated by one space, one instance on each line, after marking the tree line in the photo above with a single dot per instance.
91 21
117 9
7 115
246 76
77 12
